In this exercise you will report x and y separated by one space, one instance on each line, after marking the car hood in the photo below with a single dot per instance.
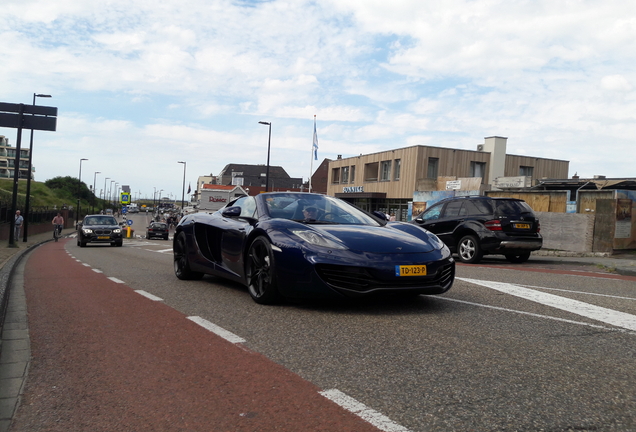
384 239
101 226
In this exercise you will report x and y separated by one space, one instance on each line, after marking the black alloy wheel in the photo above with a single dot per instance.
261 280
469 250
181 264
518 258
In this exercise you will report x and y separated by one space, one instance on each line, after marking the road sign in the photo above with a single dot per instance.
124 210
125 198
32 117
129 222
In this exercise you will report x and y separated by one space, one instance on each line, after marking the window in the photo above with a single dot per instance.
526 171
396 169
345 175
353 174
452 208
478 169
371 171
433 164
335 175
385 171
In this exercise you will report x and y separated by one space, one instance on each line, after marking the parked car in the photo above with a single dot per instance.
157 229
303 245
476 226
99 229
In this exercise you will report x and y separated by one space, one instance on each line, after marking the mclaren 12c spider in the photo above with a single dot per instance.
305 245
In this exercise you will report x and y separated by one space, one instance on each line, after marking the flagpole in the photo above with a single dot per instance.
312 153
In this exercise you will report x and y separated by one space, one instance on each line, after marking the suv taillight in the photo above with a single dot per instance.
493 225
538 226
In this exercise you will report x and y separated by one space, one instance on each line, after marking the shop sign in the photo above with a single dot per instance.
353 189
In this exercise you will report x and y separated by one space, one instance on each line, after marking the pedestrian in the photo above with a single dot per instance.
392 217
18 225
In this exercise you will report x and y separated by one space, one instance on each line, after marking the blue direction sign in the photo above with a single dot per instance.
129 221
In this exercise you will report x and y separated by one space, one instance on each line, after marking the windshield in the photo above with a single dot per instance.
314 208
100 220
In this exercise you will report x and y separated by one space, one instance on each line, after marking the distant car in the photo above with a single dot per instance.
304 245
99 229
109 211
476 226
157 229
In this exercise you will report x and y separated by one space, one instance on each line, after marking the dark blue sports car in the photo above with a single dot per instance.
303 245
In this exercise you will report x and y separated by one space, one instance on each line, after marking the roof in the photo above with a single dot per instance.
593 183
220 187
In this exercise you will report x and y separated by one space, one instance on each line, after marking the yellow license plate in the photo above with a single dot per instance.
103 237
410 270
522 226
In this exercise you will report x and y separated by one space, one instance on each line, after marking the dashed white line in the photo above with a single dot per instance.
97 271
377 419
148 295
219 331
114 279
598 313
86 265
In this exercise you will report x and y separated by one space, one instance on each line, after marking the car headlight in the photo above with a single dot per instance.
314 238
117 230
87 231
435 241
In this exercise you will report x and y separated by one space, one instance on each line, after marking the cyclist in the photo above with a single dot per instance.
58 223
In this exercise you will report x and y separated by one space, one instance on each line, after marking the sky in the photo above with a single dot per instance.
140 84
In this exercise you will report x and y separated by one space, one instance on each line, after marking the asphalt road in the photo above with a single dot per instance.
509 348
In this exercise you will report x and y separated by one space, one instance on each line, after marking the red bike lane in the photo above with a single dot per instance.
105 358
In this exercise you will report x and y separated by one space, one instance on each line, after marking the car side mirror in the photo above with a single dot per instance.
231 212
419 220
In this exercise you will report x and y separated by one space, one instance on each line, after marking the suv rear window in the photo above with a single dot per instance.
507 207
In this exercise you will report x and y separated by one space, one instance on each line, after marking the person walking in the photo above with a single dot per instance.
18 225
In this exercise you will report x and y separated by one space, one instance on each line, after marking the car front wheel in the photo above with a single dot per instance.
261 279
469 250
181 264
518 258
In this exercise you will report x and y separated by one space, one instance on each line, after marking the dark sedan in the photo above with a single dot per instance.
301 245
157 229
99 229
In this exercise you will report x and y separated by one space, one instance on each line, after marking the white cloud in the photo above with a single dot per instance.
140 77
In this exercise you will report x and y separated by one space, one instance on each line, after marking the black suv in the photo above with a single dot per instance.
99 229
476 226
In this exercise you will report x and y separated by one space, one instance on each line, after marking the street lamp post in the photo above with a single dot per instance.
269 141
183 186
28 188
94 194
115 196
79 185
110 191
104 199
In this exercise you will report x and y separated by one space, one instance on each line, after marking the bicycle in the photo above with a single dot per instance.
57 230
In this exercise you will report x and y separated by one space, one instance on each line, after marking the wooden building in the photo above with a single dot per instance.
386 181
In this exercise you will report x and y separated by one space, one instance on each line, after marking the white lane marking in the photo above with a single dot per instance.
86 265
78 260
598 313
537 315
377 419
580 292
97 271
219 331
114 279
148 295
164 250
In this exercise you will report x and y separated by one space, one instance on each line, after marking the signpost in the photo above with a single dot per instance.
21 116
